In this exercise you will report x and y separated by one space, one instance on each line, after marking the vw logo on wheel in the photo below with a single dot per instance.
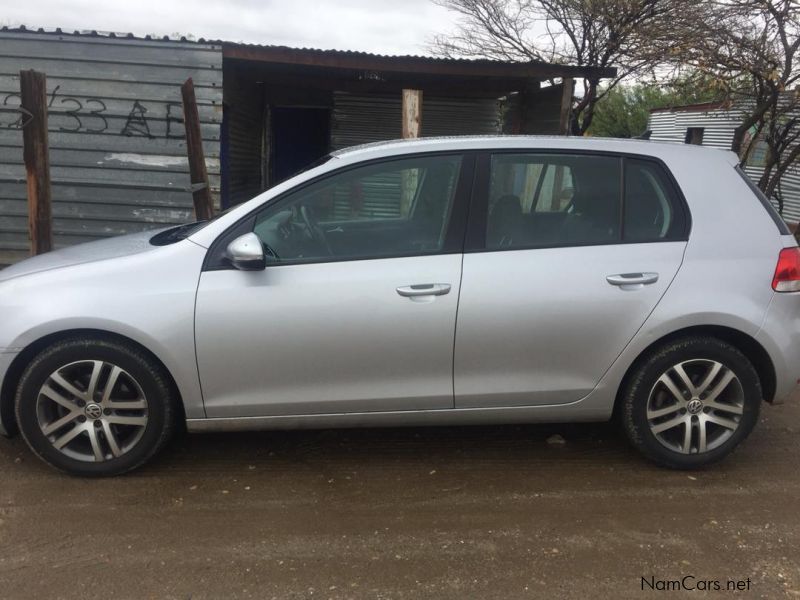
694 406
94 411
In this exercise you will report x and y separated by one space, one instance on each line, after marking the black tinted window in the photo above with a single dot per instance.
553 200
653 211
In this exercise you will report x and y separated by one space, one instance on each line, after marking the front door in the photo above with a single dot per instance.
570 254
356 309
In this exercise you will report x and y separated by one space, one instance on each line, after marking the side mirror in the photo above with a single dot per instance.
246 253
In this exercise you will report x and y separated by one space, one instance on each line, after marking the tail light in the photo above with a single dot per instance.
787 273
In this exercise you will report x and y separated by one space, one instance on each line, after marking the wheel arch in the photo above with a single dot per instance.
745 343
14 373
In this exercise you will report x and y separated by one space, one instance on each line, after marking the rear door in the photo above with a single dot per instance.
567 255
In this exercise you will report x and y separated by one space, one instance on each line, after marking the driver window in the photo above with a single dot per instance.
394 208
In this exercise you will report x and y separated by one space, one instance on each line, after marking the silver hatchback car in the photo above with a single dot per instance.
440 281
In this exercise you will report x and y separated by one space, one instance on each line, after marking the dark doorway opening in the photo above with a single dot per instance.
300 136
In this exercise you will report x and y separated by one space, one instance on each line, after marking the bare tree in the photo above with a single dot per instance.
635 36
753 52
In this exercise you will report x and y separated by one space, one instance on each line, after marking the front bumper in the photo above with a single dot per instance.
7 426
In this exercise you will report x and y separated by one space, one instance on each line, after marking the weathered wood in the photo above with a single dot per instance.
201 192
565 118
412 123
33 105
412 113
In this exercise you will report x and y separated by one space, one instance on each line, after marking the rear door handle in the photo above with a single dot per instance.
424 289
624 280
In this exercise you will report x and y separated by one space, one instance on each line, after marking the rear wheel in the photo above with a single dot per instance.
95 407
691 402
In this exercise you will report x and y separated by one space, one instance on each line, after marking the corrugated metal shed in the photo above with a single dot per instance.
364 119
118 154
719 124
117 149
243 139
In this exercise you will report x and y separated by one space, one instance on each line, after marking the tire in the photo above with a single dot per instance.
63 395
719 404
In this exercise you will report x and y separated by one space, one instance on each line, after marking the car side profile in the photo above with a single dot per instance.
468 280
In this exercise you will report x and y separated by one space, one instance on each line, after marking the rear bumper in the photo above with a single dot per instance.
780 337
7 426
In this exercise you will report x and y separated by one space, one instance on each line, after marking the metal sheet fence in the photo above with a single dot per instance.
718 130
117 144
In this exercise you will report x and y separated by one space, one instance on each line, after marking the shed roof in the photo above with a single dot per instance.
700 107
348 59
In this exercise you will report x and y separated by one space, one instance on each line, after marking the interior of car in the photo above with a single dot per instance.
538 200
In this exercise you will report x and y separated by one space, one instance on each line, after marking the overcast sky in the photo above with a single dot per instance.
383 26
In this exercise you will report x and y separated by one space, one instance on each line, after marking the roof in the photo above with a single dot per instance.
538 142
92 33
700 107
349 59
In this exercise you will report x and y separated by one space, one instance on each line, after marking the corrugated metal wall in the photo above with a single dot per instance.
719 126
671 126
117 149
365 119
539 110
244 151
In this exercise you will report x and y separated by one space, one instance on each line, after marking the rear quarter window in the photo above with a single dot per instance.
653 208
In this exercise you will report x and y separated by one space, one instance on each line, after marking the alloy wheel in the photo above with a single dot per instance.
695 406
92 410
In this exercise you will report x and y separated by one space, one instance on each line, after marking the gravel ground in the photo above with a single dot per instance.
482 512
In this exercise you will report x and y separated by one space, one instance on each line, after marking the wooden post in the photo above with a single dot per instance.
33 104
412 122
412 113
201 192
565 117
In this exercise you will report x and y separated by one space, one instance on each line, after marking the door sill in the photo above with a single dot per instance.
573 412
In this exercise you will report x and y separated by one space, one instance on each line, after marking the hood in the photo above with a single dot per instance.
124 245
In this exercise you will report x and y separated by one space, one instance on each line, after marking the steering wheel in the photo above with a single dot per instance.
314 230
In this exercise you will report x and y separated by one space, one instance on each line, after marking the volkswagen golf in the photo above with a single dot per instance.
428 282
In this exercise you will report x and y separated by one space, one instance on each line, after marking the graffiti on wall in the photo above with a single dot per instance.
70 114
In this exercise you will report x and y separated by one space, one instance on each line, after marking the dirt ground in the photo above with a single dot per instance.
489 512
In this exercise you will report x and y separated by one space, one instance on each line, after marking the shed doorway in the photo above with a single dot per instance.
300 137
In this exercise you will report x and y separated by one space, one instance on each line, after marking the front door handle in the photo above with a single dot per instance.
424 289
634 280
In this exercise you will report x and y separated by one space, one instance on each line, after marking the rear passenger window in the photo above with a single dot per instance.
540 200
652 210
553 200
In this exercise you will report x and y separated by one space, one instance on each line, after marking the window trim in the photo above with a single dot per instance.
454 237
479 207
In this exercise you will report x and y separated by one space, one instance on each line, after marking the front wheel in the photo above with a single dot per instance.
95 407
691 402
